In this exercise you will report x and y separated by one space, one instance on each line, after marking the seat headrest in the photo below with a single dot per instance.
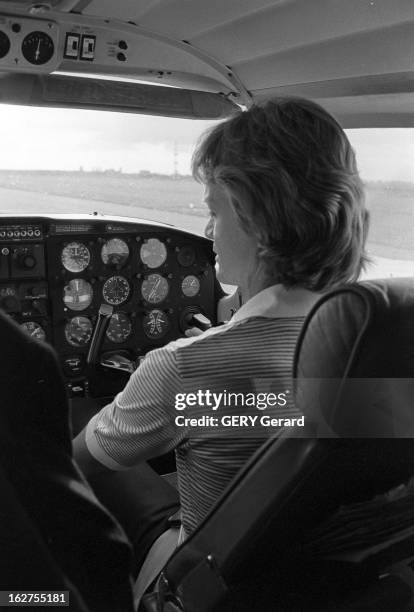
354 361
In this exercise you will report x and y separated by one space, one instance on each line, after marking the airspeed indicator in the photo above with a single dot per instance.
75 257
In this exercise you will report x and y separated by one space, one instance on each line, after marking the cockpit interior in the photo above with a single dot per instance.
104 292
104 276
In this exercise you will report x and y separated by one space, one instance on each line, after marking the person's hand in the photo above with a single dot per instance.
199 323
193 331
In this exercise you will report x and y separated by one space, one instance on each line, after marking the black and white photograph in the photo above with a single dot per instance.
207 305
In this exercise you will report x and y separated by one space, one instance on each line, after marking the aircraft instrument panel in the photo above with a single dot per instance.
56 275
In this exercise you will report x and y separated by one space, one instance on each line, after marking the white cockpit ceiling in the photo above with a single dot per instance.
286 41
282 46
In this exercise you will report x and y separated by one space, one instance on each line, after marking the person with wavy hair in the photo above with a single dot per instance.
288 221
289 174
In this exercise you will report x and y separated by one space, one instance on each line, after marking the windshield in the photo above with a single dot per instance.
76 161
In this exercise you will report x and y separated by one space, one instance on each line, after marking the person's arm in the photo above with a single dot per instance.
138 424
90 466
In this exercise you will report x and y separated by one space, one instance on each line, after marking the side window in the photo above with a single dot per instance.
386 163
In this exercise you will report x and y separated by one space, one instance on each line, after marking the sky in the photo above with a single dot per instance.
59 139
41 138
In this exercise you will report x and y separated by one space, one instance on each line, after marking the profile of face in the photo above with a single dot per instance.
236 260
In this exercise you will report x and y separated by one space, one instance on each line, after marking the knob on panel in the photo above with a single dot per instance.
27 261
193 317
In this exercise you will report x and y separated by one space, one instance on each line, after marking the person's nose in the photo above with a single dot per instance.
208 231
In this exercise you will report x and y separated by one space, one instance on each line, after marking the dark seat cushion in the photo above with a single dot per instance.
354 361
88 547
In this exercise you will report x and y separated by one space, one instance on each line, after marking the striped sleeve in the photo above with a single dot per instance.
140 422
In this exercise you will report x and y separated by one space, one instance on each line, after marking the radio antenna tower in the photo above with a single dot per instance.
175 160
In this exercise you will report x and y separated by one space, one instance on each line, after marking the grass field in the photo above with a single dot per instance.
391 205
181 195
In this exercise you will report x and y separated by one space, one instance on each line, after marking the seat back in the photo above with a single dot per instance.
25 562
44 499
354 362
252 545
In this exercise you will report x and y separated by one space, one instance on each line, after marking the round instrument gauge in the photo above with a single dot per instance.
75 257
115 252
78 331
116 290
154 288
153 253
119 328
186 256
4 44
38 48
156 324
78 294
190 285
34 330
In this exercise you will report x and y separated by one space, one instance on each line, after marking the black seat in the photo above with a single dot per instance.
355 361
321 516
26 563
54 534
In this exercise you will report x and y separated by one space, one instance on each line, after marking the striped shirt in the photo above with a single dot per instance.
243 355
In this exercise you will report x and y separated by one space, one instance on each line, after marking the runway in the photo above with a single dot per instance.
14 201
30 202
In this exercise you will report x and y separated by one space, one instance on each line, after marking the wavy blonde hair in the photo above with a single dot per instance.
292 178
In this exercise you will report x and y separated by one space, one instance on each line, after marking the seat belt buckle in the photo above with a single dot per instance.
175 519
